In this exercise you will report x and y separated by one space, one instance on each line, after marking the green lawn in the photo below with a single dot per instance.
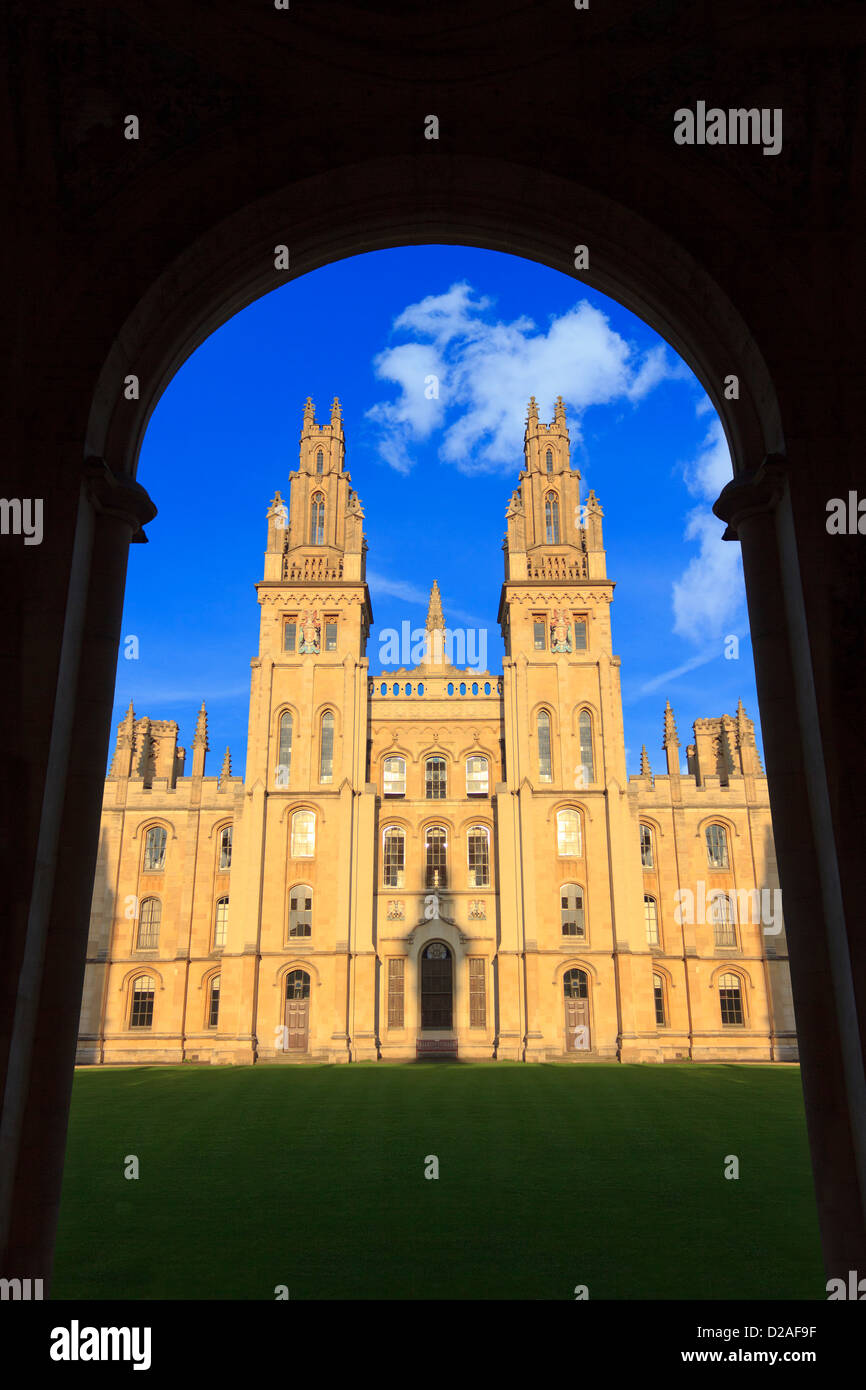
549 1176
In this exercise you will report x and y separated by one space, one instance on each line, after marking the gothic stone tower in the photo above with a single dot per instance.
564 812
306 807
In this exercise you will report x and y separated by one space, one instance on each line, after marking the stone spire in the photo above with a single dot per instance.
309 412
559 412
671 742
645 769
435 618
122 761
336 411
200 744
226 772
435 628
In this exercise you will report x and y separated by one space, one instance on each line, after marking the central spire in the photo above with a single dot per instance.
435 628
435 618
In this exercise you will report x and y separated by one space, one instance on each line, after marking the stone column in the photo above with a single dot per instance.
757 508
111 513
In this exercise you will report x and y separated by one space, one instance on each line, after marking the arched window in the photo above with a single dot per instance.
478 855
226 847
320 462
317 519
394 776
549 460
297 985
551 519
569 841
571 910
393 857
575 984
731 999
717 847
301 910
477 777
303 835
651 918
149 919
154 849
659 999
545 764
722 911
284 756
141 1009
213 1008
221 923
587 765
646 847
436 845
435 779
326 755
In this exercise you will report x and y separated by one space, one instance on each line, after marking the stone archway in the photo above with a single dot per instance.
155 257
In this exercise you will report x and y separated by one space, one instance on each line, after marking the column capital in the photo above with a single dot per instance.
752 493
121 497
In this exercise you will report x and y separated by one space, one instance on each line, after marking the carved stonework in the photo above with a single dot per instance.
560 631
477 910
311 631
396 910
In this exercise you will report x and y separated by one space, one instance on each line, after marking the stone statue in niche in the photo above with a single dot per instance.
560 631
311 630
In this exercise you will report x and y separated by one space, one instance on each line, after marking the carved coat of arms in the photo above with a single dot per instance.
560 631
311 630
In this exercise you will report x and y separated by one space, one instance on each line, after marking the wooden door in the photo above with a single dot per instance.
577 1027
436 986
297 1011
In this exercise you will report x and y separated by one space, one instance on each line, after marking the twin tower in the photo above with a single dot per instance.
434 860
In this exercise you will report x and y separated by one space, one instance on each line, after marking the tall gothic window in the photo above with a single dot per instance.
320 462
213 1012
584 729
149 919
549 461
478 848
436 851
551 518
477 777
226 847
303 835
731 999
154 849
651 918
545 765
301 910
141 1012
717 847
221 923
393 856
326 758
659 998
568 838
435 779
317 519
571 909
284 756
724 931
646 847
394 776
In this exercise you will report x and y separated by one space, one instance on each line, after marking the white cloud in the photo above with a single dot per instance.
708 598
396 588
488 370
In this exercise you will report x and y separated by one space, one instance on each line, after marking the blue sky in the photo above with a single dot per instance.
434 477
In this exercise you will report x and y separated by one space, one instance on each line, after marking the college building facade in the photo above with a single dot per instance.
436 860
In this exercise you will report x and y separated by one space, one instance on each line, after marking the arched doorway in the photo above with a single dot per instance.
578 1036
437 986
297 1012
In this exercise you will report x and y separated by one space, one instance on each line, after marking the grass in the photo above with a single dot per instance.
549 1176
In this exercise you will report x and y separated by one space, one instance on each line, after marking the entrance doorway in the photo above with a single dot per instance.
577 1029
437 986
297 1011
